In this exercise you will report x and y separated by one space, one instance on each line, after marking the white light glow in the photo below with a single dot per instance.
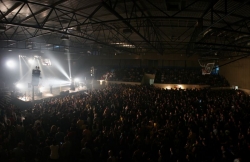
10 64
48 95
101 81
31 61
77 79
124 45
19 85
60 68
168 87
41 89
55 83
37 57
68 56
20 67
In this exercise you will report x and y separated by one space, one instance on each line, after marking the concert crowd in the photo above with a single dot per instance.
123 123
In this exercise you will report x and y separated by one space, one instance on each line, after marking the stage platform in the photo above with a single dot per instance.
46 92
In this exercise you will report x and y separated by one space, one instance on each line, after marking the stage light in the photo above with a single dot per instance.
41 89
31 61
77 79
19 85
37 57
10 64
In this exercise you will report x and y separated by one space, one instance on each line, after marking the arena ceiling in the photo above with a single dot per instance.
208 28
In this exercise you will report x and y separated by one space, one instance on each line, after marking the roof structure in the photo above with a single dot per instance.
208 28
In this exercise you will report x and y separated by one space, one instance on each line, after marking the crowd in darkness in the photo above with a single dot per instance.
166 76
122 123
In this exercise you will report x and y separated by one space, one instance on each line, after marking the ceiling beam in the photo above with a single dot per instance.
214 50
155 46
223 17
15 6
242 57
40 11
64 32
223 45
152 4
184 8
64 12
209 7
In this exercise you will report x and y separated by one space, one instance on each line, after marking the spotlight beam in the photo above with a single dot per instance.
68 57
24 75
26 62
20 67
59 67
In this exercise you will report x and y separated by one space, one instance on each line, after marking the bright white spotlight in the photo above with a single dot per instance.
41 89
77 79
19 85
10 64
31 61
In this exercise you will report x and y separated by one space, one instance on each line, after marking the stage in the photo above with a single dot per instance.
48 92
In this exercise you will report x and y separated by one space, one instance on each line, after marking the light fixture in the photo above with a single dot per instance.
10 64
41 89
31 61
19 85
37 57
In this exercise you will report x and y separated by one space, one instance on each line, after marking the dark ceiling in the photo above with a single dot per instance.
208 28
